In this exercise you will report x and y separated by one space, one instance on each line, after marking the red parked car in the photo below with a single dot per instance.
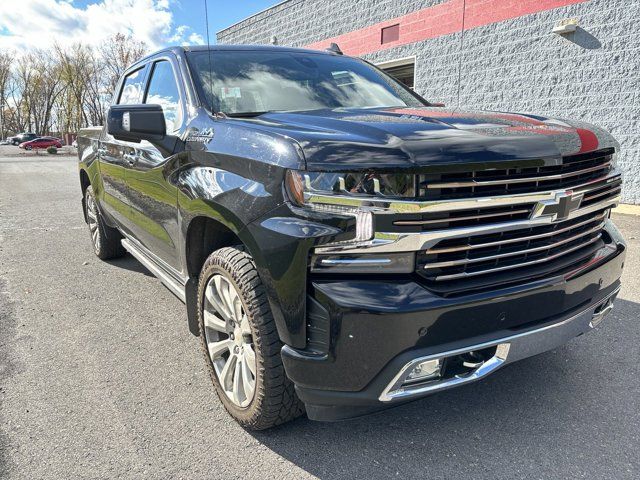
41 142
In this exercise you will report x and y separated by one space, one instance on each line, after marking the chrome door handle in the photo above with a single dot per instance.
131 158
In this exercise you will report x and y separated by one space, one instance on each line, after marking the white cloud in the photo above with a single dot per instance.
195 39
26 24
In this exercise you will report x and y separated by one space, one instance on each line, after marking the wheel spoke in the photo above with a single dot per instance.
214 298
250 358
237 306
216 349
244 325
237 383
248 380
212 321
226 375
227 292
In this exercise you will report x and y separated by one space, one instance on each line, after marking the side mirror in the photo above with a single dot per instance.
133 123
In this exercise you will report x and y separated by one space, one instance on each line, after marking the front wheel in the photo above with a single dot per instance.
241 344
106 240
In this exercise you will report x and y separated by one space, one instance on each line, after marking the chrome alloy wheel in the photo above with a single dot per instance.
229 340
92 220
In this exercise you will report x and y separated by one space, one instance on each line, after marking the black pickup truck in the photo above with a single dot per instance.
342 245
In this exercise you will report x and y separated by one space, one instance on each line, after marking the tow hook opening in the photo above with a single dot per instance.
602 310
467 362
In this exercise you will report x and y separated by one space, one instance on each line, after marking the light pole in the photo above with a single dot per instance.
2 121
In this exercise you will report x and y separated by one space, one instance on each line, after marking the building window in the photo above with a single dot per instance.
390 34
403 70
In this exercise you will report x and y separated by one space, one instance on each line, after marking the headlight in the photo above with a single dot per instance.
309 187
358 195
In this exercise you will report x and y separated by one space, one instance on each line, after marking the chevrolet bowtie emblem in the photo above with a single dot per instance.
559 207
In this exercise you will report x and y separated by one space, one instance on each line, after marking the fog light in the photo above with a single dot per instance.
427 370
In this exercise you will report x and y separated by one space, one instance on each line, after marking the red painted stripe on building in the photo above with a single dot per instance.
438 20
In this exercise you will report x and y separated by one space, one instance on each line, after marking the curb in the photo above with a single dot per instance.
626 209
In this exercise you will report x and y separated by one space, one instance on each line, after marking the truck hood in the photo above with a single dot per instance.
391 138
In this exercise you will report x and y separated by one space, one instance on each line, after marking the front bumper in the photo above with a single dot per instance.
379 329
507 350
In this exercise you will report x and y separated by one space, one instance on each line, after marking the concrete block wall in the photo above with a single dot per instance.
514 64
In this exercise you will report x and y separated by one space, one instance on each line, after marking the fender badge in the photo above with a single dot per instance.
204 136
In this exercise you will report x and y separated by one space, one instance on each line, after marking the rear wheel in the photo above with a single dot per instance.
241 344
105 240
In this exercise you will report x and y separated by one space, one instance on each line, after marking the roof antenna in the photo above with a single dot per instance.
334 48
206 19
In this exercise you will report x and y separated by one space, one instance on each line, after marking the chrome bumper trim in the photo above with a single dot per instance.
509 349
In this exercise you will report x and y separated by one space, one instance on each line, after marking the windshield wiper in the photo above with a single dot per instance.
244 114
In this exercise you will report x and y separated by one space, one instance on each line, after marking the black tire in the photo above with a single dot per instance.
274 401
105 239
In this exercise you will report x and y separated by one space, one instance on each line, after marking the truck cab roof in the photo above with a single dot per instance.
181 50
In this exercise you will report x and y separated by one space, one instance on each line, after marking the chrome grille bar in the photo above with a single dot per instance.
518 265
542 248
504 213
395 206
614 190
483 183
515 240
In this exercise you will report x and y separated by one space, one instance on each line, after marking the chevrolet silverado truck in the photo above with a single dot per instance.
341 244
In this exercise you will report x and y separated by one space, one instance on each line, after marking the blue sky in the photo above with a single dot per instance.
221 13
28 24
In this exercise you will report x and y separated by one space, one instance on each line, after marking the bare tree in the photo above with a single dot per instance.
63 89
116 54
43 88
81 104
5 77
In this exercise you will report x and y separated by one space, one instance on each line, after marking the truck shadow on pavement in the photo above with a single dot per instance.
536 416
128 262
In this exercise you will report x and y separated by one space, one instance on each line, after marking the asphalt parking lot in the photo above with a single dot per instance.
100 378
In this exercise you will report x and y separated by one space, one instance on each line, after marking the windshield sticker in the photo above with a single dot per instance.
230 92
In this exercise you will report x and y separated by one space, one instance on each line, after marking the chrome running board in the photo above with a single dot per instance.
168 280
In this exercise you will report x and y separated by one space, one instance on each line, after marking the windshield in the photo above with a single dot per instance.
261 81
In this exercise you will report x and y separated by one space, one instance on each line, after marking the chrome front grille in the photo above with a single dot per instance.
546 246
479 229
